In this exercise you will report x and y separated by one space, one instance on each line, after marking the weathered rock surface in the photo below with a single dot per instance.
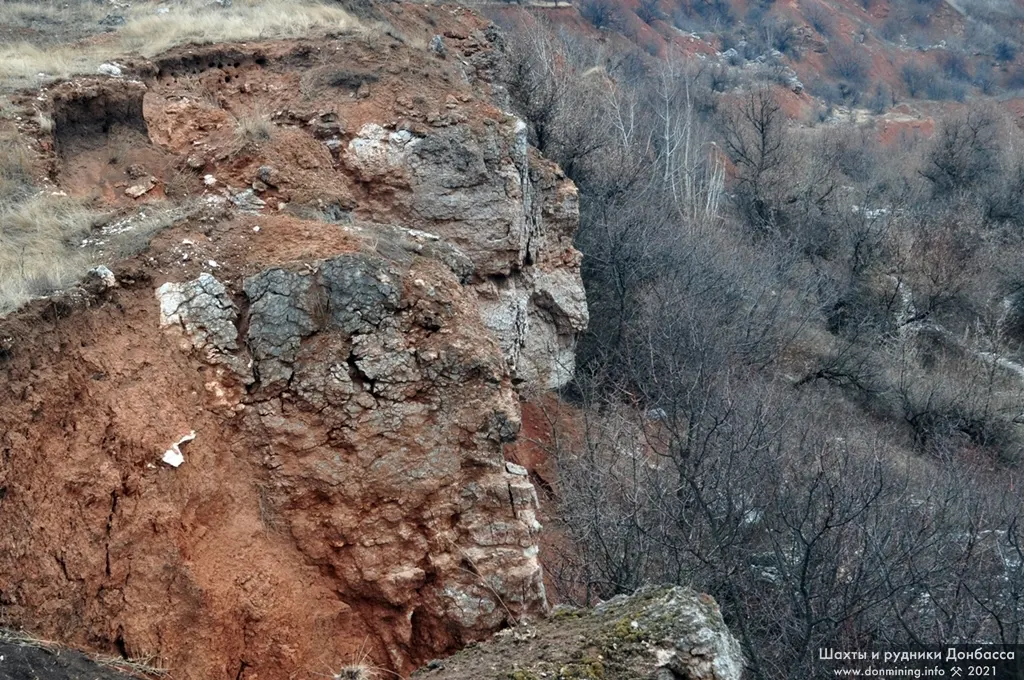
206 315
381 397
512 213
661 633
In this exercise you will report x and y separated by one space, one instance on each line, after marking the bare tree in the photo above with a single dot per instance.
754 136
691 165
964 153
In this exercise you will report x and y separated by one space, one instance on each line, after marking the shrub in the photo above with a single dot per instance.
648 11
704 14
350 80
954 65
963 154
880 100
781 35
720 78
850 65
837 94
820 18
1005 51
957 91
985 78
1015 78
917 78
892 30
252 128
601 13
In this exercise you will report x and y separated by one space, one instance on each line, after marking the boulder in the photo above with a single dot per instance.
657 633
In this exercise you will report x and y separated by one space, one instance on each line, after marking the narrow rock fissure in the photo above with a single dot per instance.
110 526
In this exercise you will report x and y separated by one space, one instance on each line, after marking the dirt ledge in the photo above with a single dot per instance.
27 659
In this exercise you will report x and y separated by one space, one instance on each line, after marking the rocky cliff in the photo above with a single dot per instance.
271 444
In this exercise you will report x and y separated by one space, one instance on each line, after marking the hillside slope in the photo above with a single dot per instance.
270 444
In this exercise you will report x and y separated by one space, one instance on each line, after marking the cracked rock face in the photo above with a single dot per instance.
511 212
205 314
345 491
386 407
382 404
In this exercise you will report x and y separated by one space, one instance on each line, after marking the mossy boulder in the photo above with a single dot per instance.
657 633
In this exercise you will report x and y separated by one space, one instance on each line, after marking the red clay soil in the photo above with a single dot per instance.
140 527
550 426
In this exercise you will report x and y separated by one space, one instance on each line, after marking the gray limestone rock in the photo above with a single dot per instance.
206 315
437 46
248 201
283 309
506 218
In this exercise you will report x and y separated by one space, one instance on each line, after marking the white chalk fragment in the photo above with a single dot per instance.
173 456
514 469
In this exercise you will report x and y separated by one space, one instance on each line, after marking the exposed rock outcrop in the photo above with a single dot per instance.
662 633
273 443
513 213
369 404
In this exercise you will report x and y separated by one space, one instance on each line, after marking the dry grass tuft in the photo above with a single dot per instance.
15 169
45 122
48 242
148 666
39 250
135 666
252 128
149 33
355 672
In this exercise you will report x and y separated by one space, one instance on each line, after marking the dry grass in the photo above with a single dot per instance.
149 33
38 247
48 241
138 667
354 672
15 168
179 182
143 667
252 128
45 122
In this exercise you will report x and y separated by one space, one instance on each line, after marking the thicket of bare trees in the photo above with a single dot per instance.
800 390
